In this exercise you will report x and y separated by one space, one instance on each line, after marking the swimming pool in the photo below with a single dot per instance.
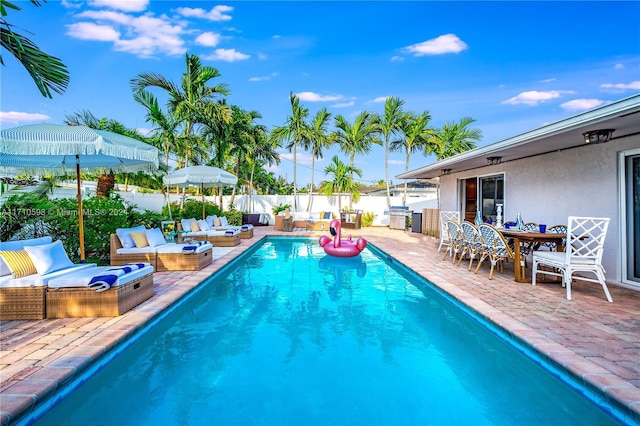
286 335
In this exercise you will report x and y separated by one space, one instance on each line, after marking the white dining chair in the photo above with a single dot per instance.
446 216
583 254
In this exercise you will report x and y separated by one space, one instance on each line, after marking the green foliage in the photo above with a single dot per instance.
191 209
234 217
28 216
367 219
280 208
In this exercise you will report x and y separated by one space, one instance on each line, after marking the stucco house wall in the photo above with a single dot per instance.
550 187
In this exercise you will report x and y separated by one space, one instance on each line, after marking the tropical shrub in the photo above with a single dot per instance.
191 208
367 219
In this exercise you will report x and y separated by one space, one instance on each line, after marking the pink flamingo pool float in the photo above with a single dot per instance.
339 247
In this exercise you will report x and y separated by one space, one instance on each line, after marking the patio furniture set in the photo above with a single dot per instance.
37 279
566 252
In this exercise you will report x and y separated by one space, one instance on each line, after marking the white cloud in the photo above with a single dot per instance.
381 99
143 35
315 97
534 97
397 59
619 66
127 6
548 80
208 39
227 55
620 87
91 31
217 13
448 43
21 117
581 104
264 78
396 162
344 104
71 4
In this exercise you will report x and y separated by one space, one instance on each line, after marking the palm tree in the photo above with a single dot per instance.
106 181
294 131
167 124
357 138
342 180
416 131
191 101
318 140
47 72
389 125
453 139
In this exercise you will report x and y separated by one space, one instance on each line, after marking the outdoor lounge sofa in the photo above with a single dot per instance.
217 238
161 255
22 294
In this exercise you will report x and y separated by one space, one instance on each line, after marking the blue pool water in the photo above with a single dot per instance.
288 336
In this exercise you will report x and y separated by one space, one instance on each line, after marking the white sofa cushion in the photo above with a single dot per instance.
204 225
37 280
19 245
49 258
125 237
186 224
82 278
155 237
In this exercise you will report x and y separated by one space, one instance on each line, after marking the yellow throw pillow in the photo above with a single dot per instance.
19 262
194 226
140 238
321 215
216 222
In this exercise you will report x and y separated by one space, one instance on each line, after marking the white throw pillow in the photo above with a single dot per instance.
19 245
224 221
154 237
49 258
186 224
125 237
204 226
210 220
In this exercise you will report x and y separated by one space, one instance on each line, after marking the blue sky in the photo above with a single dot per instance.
512 66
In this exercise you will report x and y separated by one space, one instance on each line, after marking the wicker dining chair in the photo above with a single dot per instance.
555 229
494 248
471 243
454 243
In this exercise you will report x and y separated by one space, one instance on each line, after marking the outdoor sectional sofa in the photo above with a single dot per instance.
30 296
162 255
202 231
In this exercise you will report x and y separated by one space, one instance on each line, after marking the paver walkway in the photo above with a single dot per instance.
591 338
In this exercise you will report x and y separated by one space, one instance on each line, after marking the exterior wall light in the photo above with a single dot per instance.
598 136
492 161
446 172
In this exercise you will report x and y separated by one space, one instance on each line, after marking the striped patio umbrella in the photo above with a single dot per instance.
56 148
202 176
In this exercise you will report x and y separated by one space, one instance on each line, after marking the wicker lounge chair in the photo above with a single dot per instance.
70 296
24 298
164 257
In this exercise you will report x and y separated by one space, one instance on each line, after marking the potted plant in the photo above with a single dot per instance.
280 208
278 212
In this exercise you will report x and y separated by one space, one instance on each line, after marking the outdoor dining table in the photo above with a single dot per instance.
529 236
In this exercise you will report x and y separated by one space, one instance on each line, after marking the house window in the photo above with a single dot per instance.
491 194
484 194
630 221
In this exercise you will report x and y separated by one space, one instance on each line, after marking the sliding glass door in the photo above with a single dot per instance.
630 220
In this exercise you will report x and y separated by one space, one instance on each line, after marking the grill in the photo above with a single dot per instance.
398 217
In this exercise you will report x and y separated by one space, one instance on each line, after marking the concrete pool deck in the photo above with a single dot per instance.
589 337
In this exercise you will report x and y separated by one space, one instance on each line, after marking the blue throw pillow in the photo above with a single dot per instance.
327 215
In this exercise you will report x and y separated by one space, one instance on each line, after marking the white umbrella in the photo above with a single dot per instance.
48 148
202 176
